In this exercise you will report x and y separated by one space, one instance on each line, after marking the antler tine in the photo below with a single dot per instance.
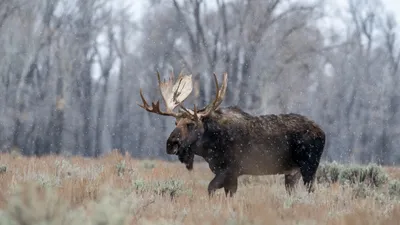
143 100
208 108
196 117
185 109
173 94
219 96
217 91
155 107
222 91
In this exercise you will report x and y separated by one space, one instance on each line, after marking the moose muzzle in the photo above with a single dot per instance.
172 147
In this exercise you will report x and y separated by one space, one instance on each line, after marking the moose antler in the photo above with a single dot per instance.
219 97
172 94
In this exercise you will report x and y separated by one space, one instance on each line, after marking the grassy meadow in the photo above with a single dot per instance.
117 189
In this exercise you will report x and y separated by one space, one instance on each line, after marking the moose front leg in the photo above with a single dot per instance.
226 180
230 185
216 183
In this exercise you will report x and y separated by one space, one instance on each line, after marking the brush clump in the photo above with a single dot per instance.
116 189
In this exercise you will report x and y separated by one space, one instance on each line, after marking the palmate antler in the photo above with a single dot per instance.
172 94
175 94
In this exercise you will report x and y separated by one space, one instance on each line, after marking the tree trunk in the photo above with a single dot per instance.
58 124
86 109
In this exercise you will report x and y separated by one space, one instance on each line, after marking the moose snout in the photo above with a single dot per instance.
172 146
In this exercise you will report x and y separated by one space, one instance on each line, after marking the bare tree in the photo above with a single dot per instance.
70 72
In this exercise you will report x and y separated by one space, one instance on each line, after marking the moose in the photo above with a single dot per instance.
234 142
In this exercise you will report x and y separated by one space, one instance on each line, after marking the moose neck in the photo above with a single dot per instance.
215 137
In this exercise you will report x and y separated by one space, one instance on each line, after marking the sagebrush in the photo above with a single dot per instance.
117 189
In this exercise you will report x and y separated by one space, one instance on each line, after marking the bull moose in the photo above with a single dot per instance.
235 143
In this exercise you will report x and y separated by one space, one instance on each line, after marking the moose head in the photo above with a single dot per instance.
190 128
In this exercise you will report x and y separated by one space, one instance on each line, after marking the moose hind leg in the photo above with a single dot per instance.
309 161
291 180
308 174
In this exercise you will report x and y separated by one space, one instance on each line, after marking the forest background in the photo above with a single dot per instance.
70 71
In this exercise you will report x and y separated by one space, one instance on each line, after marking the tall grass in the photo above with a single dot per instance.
117 189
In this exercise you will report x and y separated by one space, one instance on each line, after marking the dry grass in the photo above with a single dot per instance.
116 189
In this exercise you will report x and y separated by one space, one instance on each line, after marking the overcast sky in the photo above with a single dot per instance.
391 5
394 6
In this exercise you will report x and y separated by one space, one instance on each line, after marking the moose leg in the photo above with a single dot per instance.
308 174
216 183
309 165
308 169
291 180
230 185
307 156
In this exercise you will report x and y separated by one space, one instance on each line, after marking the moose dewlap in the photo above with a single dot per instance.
235 143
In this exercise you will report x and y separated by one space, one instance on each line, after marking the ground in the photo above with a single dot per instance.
117 189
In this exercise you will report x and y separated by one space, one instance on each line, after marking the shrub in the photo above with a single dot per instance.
113 208
361 191
352 174
33 204
46 180
371 175
394 188
148 164
376 175
3 169
329 172
169 187
120 167
139 185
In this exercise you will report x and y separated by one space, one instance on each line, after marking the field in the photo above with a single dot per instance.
117 189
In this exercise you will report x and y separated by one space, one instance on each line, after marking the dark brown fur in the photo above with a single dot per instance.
235 143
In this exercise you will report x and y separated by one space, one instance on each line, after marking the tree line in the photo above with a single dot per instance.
70 71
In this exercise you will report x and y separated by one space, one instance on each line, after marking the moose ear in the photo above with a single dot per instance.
208 124
204 118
